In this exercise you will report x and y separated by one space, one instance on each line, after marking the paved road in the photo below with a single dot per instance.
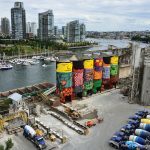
21 143
115 111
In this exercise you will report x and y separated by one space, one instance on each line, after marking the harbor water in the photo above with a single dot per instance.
21 76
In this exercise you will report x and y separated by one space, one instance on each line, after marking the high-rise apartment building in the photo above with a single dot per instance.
28 27
64 31
31 27
34 28
82 32
18 21
5 26
55 30
46 25
75 31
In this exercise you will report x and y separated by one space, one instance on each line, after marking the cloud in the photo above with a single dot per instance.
100 15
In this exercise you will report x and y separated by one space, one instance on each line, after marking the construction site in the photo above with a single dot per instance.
90 101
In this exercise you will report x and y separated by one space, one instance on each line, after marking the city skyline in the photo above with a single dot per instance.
98 15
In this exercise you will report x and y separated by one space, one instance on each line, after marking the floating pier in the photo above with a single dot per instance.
29 90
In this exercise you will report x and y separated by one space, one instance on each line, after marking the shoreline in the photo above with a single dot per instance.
48 52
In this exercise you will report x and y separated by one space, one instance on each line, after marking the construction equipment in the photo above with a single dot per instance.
71 112
15 126
145 126
45 95
10 117
93 122
127 145
49 91
52 137
31 135
69 124
147 121
51 131
39 132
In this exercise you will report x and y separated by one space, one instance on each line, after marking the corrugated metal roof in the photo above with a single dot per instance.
15 97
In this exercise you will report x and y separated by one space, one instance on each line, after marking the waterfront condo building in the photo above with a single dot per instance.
28 27
64 32
31 27
5 26
34 28
75 32
18 21
82 32
55 30
46 25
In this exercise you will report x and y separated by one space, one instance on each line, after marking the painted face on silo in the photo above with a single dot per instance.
98 62
64 74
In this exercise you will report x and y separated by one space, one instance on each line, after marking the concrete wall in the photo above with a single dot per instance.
136 57
124 71
145 96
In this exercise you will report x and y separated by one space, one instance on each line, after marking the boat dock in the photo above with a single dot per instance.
28 90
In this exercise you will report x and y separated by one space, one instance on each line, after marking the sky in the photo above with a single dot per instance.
98 15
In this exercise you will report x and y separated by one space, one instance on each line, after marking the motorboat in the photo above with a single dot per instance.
25 63
12 61
5 66
34 62
57 58
38 57
50 59
44 65
18 63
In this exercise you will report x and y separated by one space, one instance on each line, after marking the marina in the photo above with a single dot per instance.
21 76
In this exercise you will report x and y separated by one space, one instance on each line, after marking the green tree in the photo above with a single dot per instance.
1 147
9 144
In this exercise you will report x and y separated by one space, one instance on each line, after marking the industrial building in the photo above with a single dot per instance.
5 26
46 25
140 79
18 21
145 92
